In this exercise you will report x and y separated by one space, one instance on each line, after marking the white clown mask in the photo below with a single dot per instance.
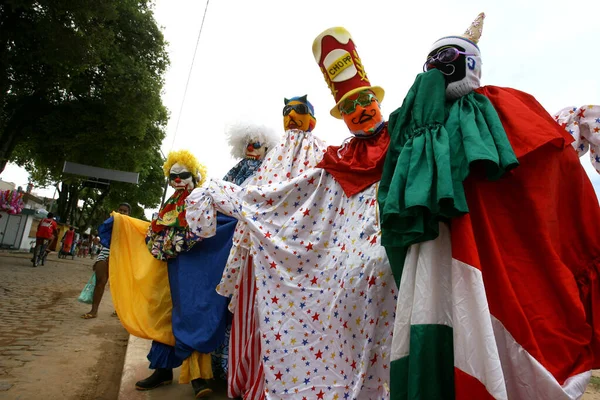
181 178
255 149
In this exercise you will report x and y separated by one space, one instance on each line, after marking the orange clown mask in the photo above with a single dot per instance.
361 113
298 113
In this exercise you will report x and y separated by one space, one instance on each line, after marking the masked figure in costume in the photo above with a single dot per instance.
325 295
250 143
169 234
495 252
298 114
298 151
163 281
583 124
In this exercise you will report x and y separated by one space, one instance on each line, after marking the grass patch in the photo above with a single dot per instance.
595 382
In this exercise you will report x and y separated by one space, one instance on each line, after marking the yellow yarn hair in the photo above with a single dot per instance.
188 160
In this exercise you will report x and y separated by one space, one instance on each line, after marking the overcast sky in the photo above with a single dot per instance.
252 54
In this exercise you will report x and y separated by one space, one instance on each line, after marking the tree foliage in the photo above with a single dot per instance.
81 81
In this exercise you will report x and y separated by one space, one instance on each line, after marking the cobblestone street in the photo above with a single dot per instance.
46 349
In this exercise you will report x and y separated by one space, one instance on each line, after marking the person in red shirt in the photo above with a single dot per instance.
47 230
68 241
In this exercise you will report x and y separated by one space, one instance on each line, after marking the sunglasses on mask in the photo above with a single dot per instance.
182 175
444 56
299 108
256 145
349 106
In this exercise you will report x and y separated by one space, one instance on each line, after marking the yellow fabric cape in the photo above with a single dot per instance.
139 283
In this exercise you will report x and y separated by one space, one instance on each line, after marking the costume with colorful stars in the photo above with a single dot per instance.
298 151
502 301
325 295
583 124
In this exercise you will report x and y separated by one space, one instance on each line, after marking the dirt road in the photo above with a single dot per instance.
46 350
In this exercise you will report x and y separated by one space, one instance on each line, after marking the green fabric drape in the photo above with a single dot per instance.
434 146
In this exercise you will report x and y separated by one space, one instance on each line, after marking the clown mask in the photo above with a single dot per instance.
256 150
361 113
460 62
297 115
181 178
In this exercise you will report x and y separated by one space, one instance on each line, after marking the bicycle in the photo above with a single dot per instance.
40 253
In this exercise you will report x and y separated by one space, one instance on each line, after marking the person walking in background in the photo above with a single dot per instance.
67 241
85 246
95 249
101 269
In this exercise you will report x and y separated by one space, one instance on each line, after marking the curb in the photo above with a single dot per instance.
135 368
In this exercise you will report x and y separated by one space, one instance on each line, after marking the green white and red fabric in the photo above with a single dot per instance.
498 301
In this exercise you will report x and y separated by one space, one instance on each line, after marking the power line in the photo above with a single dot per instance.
189 75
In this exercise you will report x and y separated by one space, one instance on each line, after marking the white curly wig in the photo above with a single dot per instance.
239 134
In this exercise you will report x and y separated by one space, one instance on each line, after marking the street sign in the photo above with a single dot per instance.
101 174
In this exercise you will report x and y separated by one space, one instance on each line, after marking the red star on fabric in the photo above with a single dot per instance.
270 202
320 394
313 281
372 281
315 317
318 354
307 213
274 299
273 265
374 359
278 375
268 234
309 246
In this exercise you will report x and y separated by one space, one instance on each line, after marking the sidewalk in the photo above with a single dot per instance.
136 368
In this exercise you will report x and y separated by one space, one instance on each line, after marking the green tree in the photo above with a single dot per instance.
80 81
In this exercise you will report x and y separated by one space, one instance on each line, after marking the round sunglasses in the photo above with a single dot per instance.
349 106
444 56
